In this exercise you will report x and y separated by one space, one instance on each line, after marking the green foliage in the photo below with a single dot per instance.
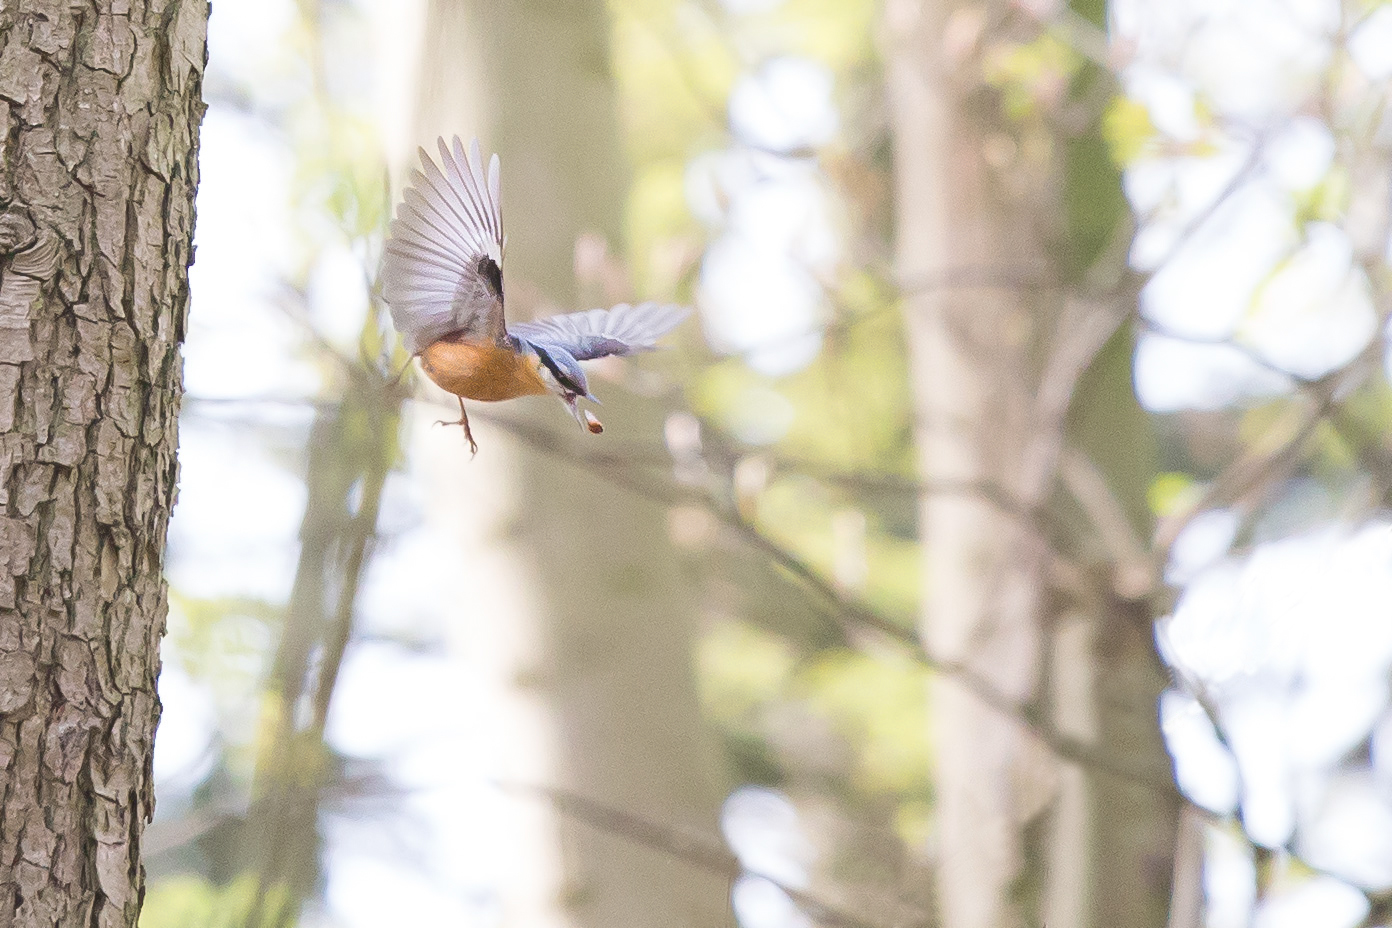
1092 11
894 574
225 645
339 173
742 668
187 901
854 405
797 511
744 403
1368 413
1107 422
1031 75
838 33
1093 203
878 702
1173 492
664 234
874 703
1326 201
1127 127
673 73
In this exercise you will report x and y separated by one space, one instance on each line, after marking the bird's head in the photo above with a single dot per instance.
561 372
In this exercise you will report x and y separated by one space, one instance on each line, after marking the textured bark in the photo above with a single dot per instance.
1024 838
102 104
605 639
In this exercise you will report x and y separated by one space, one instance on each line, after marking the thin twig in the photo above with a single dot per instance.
1133 570
856 618
699 850
1225 341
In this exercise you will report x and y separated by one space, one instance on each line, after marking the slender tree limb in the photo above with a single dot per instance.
1133 569
701 851
1152 327
854 618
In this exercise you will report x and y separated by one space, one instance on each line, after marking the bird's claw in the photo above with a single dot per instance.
463 420
468 435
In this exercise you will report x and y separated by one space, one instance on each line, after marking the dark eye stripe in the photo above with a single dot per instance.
561 377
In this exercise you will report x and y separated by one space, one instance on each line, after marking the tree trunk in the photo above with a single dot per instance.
98 174
1014 376
598 663
970 367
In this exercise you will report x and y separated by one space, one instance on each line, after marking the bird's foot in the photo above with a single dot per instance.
463 420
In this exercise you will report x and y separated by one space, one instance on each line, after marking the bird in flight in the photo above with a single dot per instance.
442 276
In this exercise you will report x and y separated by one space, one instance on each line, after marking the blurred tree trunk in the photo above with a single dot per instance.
1022 381
603 633
97 179
350 451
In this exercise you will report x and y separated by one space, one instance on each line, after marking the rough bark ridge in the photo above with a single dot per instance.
97 174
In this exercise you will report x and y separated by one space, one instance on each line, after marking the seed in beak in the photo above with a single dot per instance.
592 423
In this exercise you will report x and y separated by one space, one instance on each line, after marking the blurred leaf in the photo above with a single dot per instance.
657 214
1032 75
894 583
1326 201
879 703
913 821
742 668
672 82
1128 129
1173 492
340 174
839 33
1371 408
192 902
796 511
1333 457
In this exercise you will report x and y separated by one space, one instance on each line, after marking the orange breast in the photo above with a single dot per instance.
480 370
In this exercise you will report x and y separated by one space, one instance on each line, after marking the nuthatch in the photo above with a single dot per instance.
442 275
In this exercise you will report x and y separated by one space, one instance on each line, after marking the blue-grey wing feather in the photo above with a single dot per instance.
442 266
597 333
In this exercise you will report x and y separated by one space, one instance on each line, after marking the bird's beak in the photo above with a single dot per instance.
586 418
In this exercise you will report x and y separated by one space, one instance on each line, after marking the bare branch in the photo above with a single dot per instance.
1085 327
854 618
701 851
993 277
1134 571
1252 472
1246 172
1225 341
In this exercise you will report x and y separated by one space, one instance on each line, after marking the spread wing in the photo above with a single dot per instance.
442 272
596 333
